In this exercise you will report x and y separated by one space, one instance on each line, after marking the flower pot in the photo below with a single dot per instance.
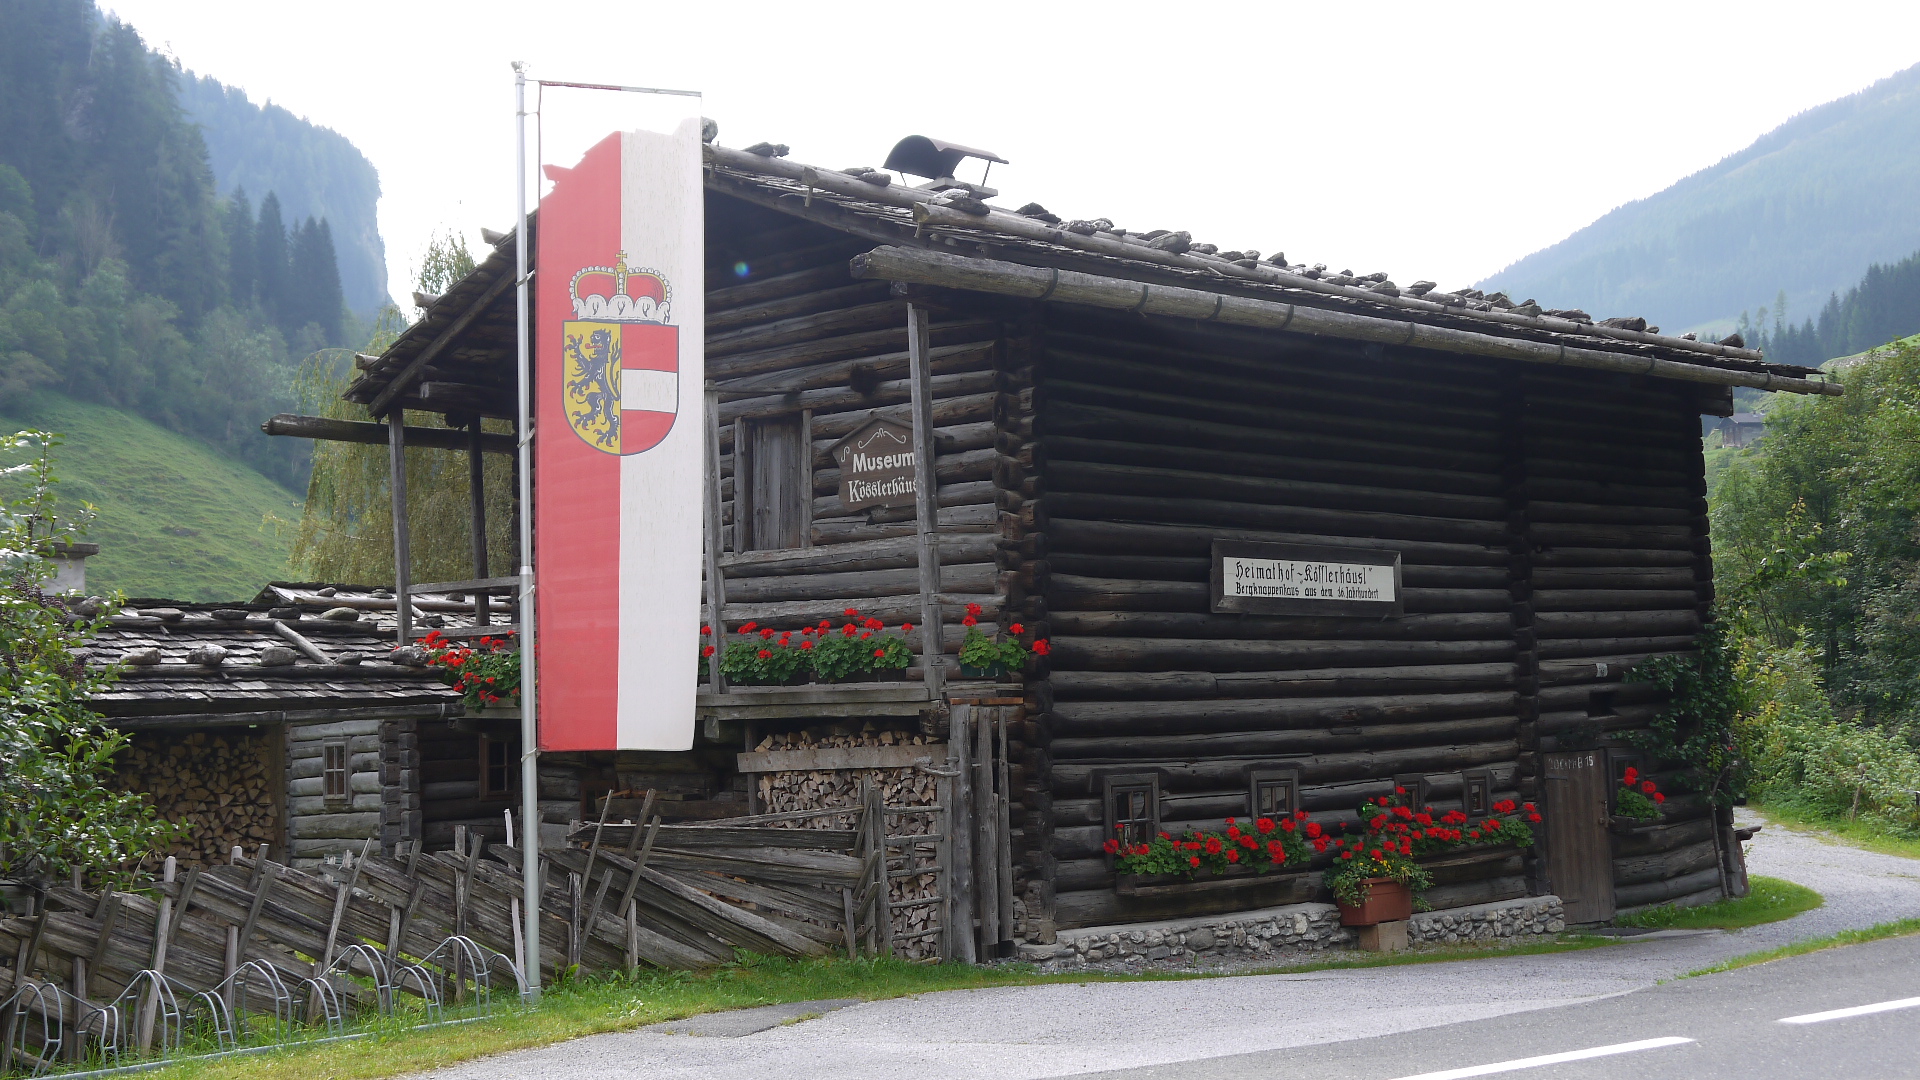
991 671
1387 901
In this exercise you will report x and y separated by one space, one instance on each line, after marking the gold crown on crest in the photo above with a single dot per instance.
639 296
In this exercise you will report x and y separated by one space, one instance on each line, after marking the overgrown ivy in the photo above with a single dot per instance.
1696 729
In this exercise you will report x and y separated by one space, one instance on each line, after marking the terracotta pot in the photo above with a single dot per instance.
1387 901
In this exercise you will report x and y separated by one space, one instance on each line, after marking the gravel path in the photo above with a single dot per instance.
1013 1033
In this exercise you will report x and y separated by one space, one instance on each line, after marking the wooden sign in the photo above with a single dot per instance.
876 465
1294 579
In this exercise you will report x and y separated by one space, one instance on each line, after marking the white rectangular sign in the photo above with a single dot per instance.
1294 579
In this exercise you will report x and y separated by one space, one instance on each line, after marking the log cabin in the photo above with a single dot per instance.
1104 419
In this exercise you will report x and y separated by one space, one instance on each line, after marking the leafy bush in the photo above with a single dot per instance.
58 810
486 672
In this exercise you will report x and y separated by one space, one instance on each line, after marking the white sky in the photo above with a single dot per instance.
1429 140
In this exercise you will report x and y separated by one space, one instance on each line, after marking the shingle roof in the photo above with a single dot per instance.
163 648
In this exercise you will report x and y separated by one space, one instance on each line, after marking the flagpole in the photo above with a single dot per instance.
529 699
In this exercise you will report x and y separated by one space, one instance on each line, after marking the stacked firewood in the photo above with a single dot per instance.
220 785
819 789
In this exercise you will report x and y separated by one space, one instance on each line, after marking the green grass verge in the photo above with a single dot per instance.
176 518
1897 928
1865 835
1770 900
616 1004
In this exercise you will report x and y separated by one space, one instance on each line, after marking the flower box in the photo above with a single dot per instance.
991 671
1148 886
1387 901
1632 826
495 712
874 676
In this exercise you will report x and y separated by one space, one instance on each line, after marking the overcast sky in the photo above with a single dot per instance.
1429 140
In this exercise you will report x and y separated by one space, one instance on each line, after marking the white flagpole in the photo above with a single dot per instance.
529 700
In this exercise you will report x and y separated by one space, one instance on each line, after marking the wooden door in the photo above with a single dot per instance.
1579 855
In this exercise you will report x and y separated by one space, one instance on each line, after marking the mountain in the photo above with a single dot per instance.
315 171
176 518
1804 211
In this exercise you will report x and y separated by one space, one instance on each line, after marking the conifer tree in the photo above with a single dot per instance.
237 221
270 261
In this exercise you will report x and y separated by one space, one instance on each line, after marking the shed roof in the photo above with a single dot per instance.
359 670
457 357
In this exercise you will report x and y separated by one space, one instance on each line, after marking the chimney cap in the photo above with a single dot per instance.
933 158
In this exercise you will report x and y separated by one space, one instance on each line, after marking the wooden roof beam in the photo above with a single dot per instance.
1071 287
357 431
382 402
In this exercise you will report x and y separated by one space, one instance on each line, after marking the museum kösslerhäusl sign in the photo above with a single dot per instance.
1292 579
876 465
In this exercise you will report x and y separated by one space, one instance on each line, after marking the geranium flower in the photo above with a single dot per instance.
1264 824
906 628
1320 845
1536 817
1193 860
1647 787
1016 628
1233 856
1346 854
1248 842
1213 845
703 630
1313 828
806 646
1632 776
1657 797
706 650
748 628
969 621
1041 648
974 609
1111 846
766 633
880 653
765 653
852 613
1398 790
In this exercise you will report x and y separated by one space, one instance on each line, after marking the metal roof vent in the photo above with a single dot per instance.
936 159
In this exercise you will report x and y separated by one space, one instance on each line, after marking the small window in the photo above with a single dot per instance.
333 770
1416 787
1132 808
1476 793
772 483
1600 704
499 766
1274 793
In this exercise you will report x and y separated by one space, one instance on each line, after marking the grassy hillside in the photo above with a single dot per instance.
176 519
1805 209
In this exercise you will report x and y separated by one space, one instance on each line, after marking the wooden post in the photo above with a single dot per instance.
717 585
986 847
150 1005
1003 827
477 499
926 503
943 789
402 553
960 829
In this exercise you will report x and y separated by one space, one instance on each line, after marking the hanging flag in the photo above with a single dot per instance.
617 452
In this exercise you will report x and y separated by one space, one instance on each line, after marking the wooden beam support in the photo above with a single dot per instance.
402 542
357 431
477 509
926 499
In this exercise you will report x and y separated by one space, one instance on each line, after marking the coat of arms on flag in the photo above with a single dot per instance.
622 358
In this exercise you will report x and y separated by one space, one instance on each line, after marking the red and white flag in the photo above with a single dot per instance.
619 329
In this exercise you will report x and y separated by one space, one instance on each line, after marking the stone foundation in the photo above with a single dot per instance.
1279 933
1244 935
1488 922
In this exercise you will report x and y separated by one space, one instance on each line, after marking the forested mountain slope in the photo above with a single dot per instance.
315 171
1804 210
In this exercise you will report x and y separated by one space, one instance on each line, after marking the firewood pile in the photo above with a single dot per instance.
220 785
820 789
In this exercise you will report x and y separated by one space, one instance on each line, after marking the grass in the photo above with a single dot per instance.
593 1006
1769 900
1897 928
176 519
1866 835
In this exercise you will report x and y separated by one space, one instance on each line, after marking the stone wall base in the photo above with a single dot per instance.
1277 932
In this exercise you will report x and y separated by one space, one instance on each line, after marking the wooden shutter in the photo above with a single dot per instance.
773 483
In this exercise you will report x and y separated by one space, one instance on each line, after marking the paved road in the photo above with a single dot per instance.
1842 1013
1017 1033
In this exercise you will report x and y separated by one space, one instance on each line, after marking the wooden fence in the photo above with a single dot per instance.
250 950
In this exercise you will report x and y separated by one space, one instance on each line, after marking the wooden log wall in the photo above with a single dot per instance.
788 329
1621 568
1547 522
223 784
319 825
